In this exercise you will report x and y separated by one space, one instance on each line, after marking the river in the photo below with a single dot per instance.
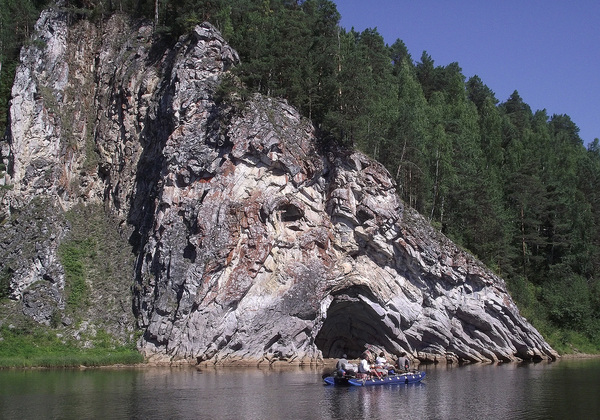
568 389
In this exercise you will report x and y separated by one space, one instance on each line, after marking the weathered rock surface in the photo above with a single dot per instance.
252 243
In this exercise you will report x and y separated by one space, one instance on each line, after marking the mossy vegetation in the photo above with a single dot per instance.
34 346
74 256
95 327
5 276
98 266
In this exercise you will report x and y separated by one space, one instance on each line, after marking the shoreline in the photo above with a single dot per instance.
330 362
324 364
580 356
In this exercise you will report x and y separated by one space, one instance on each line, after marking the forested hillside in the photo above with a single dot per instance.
516 187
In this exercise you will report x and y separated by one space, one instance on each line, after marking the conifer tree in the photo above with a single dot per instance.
410 134
365 103
17 18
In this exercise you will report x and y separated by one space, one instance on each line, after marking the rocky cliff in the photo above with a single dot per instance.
236 236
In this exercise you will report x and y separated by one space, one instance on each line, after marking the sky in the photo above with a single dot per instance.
548 51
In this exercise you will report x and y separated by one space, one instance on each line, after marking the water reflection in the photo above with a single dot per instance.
566 389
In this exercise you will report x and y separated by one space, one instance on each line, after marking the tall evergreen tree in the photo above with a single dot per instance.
400 56
588 180
319 77
427 75
381 100
479 93
17 18
366 101
406 153
345 119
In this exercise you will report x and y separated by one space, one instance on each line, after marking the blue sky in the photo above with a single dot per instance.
549 51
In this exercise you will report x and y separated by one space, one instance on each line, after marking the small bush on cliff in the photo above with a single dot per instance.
72 257
5 276
232 91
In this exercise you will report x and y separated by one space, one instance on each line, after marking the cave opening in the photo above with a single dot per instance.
352 326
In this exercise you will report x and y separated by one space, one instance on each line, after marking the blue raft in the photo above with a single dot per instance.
401 378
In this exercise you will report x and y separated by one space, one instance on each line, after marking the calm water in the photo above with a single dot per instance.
564 390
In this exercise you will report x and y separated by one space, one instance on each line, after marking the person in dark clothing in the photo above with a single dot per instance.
403 362
341 364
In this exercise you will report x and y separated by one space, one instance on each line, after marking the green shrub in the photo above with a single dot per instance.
73 255
5 276
568 302
29 347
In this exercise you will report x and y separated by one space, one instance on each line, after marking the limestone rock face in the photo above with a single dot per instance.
252 242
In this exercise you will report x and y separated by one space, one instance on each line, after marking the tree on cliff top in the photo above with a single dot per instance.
17 18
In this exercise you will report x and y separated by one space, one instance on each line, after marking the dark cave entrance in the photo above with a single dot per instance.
352 325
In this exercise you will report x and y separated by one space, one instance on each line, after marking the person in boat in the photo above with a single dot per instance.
406 364
341 363
403 362
344 367
380 360
381 367
364 368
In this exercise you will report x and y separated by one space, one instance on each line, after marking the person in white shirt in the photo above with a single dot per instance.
364 369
